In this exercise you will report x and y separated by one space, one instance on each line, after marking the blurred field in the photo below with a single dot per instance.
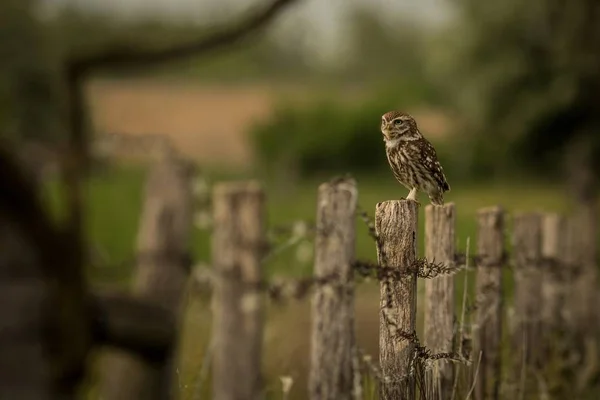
209 121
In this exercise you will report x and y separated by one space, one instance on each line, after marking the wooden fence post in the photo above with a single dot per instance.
488 289
160 277
238 246
581 296
439 291
583 293
554 249
528 276
396 227
332 372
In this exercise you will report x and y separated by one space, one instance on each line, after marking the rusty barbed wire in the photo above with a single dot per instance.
364 216
421 352
280 290
422 268
99 259
421 356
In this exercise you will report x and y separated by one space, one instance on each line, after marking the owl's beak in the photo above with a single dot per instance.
386 132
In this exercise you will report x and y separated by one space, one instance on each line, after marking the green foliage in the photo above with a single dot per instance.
28 104
381 51
328 137
524 74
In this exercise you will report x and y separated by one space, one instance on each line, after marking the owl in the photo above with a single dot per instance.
412 158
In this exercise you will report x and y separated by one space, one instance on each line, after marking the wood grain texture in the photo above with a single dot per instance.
580 310
553 254
396 227
488 288
238 245
332 372
526 328
555 282
160 278
582 248
440 247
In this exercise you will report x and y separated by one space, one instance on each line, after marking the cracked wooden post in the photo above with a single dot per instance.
439 291
526 330
238 245
332 372
160 278
396 227
488 293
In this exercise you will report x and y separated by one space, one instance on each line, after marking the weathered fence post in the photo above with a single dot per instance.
554 238
439 292
238 246
581 298
396 227
160 277
332 373
527 304
584 288
488 289
554 252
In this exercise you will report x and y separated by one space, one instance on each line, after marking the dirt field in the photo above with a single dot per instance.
208 122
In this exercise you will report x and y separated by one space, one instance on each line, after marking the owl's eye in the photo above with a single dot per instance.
398 122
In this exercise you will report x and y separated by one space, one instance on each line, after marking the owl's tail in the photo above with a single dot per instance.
436 198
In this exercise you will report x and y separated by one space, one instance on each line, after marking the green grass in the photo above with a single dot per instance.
114 205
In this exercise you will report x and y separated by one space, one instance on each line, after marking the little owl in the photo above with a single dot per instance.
412 158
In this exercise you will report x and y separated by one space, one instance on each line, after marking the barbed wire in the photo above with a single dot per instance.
421 268
279 289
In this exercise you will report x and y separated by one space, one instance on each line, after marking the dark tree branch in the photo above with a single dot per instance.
122 55
20 202
68 336
125 322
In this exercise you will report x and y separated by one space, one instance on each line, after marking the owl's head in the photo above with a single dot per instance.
396 126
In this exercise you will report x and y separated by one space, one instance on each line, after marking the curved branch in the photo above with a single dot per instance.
128 55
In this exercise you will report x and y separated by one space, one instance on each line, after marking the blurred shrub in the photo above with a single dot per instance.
329 137
326 137
28 86
526 76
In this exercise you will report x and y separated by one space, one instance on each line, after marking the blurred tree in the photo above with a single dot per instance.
527 75
28 102
392 54
83 30
334 136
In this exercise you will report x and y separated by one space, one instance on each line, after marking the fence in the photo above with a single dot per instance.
485 348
